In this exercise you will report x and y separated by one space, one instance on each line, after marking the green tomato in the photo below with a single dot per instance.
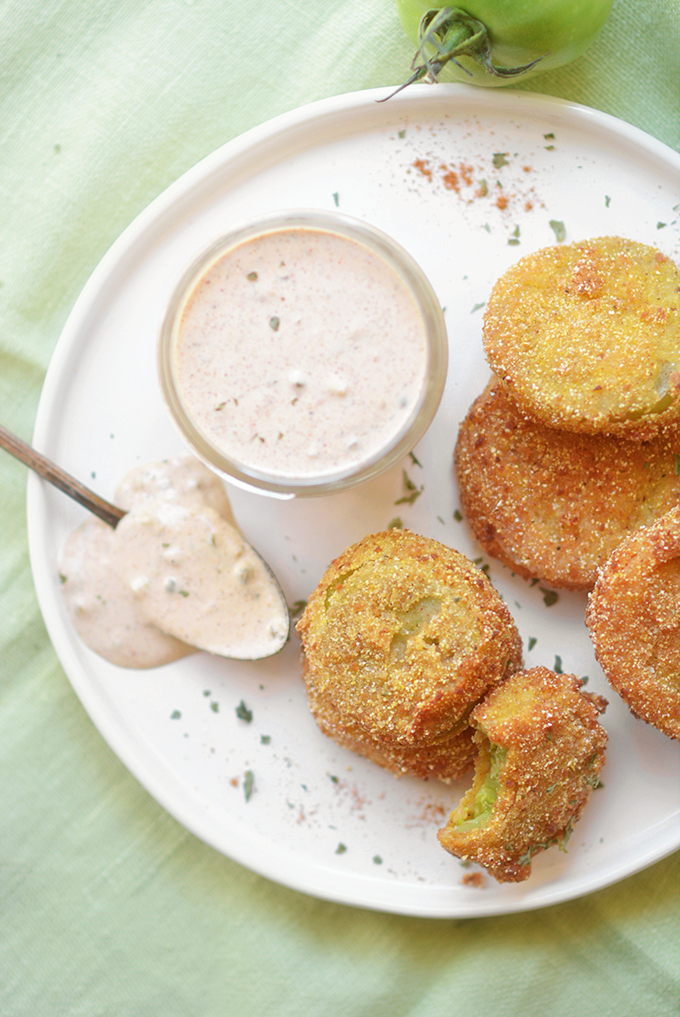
494 42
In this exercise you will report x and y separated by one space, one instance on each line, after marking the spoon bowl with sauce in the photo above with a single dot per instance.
167 574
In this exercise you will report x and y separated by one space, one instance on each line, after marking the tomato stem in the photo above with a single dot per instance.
451 32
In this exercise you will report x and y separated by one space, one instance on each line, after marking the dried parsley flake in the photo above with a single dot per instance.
558 229
413 491
243 713
296 608
514 239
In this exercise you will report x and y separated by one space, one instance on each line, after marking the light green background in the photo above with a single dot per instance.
107 905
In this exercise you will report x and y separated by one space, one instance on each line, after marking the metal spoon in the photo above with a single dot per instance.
111 514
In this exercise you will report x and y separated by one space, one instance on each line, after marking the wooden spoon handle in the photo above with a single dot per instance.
111 514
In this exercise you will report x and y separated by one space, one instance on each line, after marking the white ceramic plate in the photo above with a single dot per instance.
468 180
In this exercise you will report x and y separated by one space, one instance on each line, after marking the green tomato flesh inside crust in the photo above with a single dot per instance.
494 42
479 812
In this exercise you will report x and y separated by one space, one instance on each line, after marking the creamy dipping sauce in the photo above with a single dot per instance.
174 576
300 353
102 606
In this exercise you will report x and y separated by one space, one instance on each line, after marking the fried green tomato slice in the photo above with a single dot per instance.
402 636
552 504
446 758
633 617
541 748
586 336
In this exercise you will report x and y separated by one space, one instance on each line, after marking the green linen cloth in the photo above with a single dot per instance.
107 905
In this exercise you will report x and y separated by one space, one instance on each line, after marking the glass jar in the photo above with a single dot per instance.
303 353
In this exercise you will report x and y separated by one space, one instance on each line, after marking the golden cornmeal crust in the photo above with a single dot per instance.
402 636
446 758
634 621
549 748
586 336
553 504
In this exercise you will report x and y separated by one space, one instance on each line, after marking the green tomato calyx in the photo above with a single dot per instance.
449 33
